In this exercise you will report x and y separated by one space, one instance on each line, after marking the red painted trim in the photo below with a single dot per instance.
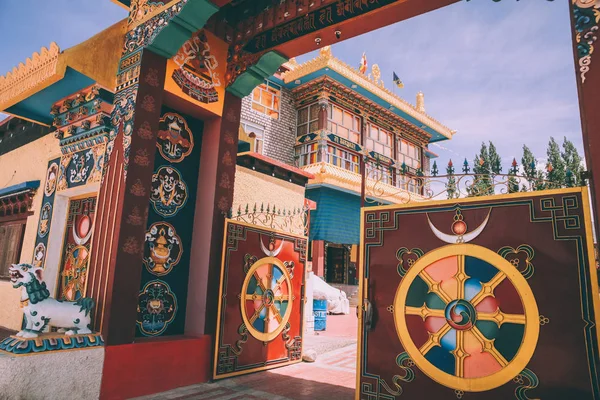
154 366
275 163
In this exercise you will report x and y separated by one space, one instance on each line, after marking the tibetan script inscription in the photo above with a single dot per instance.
334 13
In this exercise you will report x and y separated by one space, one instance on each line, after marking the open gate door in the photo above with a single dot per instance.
480 298
260 323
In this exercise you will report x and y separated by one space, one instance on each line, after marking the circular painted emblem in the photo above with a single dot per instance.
82 229
266 299
467 317
157 307
45 215
175 140
169 191
39 255
51 178
163 248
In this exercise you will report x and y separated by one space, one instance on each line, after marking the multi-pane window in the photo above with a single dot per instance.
259 134
343 123
308 120
266 99
410 184
379 140
379 173
409 154
343 159
307 154
11 240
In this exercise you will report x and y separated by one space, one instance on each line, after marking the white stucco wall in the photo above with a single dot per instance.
27 163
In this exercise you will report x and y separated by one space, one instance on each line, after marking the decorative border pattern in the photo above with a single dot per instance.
13 345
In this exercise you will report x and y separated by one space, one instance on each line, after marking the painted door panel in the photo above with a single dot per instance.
481 298
261 306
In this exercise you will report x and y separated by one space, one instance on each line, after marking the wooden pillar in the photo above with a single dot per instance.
122 211
323 111
587 72
215 197
318 257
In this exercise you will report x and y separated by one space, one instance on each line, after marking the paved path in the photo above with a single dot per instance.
332 376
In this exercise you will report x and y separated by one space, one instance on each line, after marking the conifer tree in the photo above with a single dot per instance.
572 161
495 160
482 183
513 182
451 183
529 163
556 169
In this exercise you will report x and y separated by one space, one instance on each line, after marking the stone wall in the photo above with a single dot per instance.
27 163
280 134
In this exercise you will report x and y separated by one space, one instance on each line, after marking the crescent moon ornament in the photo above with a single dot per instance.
274 252
82 240
459 227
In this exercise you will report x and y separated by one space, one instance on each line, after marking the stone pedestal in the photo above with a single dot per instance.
52 375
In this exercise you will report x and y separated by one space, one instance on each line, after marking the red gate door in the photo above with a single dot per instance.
481 298
260 321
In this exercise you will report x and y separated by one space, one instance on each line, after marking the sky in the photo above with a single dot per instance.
499 71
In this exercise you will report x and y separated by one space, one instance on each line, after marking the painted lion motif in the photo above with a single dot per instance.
41 310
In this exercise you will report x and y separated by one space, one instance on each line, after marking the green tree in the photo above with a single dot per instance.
534 176
513 182
494 159
572 161
482 182
451 183
556 169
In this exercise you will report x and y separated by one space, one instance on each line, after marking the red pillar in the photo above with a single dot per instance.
318 257
215 197
122 213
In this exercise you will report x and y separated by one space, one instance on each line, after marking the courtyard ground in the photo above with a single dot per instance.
332 376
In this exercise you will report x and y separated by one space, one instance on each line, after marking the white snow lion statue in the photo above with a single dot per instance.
41 310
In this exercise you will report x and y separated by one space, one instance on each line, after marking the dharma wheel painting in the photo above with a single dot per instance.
261 300
462 319
486 300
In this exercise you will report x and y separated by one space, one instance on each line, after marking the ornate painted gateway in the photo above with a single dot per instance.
495 298
261 300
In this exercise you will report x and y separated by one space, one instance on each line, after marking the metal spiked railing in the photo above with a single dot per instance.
294 220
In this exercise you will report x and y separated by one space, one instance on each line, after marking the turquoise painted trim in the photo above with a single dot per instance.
191 18
339 189
37 106
29 185
435 135
266 66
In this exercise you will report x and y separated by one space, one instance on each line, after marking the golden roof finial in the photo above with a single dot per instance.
376 73
420 102
325 51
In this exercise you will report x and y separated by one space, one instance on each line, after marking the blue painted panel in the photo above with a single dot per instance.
337 217
19 188
37 107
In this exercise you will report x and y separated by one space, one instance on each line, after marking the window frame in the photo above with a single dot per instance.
332 126
374 141
416 160
19 249
309 121
257 139
259 102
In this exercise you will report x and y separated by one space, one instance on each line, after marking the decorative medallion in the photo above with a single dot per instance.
163 248
175 141
467 318
39 255
169 191
197 74
157 307
459 229
266 298
82 227
51 178
74 273
45 216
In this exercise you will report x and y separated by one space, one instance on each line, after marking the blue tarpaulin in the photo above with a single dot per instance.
337 217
